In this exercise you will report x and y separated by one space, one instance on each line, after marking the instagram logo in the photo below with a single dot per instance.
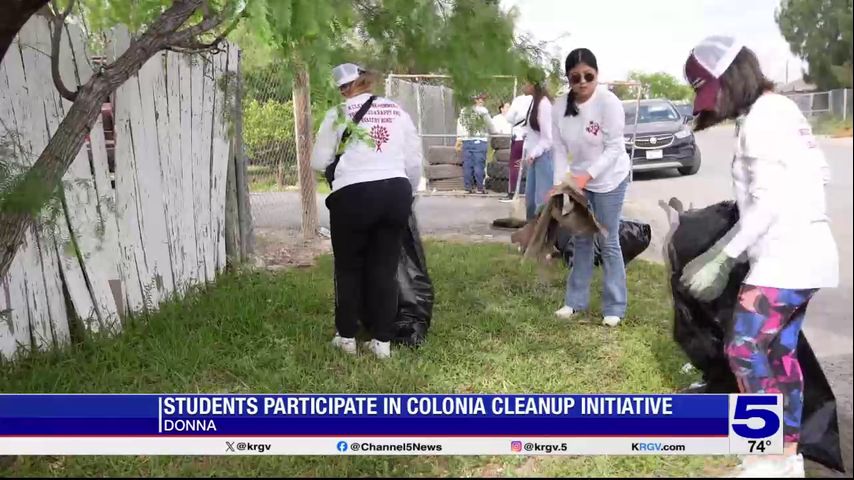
516 446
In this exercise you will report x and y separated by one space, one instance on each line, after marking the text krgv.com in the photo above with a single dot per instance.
414 447
657 447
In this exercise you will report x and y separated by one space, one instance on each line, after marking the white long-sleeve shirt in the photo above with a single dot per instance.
517 113
779 177
539 142
502 126
396 151
468 132
592 141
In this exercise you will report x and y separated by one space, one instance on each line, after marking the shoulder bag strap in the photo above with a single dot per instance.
330 170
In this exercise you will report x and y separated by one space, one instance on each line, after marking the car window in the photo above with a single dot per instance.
685 110
651 112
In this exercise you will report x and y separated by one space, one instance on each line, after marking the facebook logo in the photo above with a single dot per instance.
342 446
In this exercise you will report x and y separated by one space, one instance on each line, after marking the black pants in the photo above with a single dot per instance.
368 221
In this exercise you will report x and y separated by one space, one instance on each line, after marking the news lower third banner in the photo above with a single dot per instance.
77 424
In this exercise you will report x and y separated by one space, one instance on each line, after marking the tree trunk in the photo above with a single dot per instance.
244 207
302 125
15 15
21 205
18 211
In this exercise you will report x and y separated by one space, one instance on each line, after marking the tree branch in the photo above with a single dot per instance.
15 15
58 22
193 45
21 202
186 40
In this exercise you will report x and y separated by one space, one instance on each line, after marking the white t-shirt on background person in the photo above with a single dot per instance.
515 115
538 143
502 126
479 132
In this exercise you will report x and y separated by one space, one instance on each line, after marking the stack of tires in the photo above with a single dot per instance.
498 170
444 170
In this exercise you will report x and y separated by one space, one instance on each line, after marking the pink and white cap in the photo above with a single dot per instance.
704 67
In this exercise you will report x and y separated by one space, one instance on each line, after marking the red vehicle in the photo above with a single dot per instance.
109 139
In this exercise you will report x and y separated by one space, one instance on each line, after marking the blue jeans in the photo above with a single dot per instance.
538 182
474 163
608 208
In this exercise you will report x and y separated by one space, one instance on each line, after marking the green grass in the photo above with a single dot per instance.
493 332
262 178
831 125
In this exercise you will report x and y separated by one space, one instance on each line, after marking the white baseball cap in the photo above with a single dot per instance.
346 73
704 67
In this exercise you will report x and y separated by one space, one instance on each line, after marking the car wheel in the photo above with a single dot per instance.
694 167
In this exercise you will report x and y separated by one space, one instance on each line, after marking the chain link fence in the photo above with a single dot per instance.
269 142
835 103
430 101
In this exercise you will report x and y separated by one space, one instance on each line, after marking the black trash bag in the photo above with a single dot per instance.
415 300
634 239
700 328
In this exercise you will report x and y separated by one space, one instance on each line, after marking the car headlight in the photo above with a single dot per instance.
628 139
684 133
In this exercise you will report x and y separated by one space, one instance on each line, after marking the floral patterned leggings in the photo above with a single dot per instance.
762 350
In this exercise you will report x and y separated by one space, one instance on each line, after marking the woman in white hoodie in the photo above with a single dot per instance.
589 123
779 176
373 173
537 147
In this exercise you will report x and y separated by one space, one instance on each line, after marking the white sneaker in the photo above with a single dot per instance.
611 321
565 312
791 466
796 466
380 349
348 345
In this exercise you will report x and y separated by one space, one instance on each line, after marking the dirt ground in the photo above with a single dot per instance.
277 249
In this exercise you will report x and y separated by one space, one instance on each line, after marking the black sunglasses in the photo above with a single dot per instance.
575 78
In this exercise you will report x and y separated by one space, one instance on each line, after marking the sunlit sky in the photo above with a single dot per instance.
656 35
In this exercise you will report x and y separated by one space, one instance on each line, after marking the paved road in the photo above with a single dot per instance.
829 322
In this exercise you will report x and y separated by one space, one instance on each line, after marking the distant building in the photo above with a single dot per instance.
798 86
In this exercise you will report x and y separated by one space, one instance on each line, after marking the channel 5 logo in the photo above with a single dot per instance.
756 416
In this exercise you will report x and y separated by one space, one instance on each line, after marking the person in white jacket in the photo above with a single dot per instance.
517 116
379 167
499 120
779 176
589 123
537 146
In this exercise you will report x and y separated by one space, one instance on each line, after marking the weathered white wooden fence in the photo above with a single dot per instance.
160 230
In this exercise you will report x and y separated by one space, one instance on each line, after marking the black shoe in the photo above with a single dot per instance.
469 191
507 199
481 192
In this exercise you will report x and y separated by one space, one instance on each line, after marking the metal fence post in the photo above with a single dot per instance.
422 185
418 107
